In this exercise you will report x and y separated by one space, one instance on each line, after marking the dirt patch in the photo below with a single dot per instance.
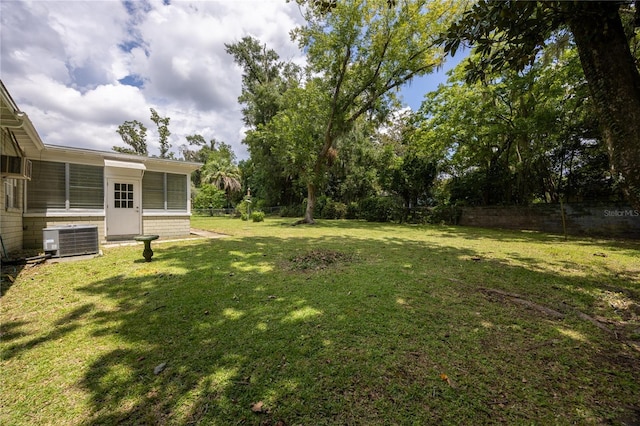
315 260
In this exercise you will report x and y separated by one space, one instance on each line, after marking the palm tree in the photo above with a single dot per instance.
224 175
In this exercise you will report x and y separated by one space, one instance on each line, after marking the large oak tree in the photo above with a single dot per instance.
359 53
511 33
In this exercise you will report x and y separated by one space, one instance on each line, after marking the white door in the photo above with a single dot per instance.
123 207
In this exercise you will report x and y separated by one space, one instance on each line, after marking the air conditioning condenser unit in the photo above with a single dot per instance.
70 240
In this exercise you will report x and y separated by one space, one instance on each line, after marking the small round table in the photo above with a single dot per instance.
147 253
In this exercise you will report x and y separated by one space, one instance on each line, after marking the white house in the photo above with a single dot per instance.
46 185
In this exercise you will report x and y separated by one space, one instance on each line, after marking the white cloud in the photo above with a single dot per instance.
62 61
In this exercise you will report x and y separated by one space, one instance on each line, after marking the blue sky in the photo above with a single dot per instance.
81 68
413 93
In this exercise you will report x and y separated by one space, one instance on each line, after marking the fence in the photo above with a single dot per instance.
608 220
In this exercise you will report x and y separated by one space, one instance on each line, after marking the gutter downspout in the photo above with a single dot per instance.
25 124
20 116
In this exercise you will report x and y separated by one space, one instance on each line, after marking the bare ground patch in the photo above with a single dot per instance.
318 259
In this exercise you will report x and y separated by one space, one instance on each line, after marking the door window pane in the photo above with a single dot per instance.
123 195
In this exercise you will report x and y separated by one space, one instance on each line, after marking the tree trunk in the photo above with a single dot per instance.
318 169
614 82
311 204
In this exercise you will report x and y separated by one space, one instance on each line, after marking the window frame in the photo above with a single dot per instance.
11 194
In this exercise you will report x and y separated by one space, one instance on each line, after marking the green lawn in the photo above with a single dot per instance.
338 323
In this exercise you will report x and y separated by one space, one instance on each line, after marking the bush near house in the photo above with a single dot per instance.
208 197
257 216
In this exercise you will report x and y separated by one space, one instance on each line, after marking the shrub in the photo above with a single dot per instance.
243 209
417 215
259 204
321 204
353 210
208 196
341 210
380 209
334 210
257 216
445 214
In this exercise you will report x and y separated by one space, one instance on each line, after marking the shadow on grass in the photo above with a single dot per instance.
63 326
17 349
397 334
12 268
8 273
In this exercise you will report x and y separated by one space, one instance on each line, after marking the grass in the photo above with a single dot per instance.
338 323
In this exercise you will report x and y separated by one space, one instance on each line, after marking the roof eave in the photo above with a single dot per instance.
19 122
191 166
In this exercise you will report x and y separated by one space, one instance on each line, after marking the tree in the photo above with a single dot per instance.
354 171
190 154
133 134
224 175
511 33
412 179
209 197
517 137
163 133
221 171
358 53
199 154
293 133
265 79
408 170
